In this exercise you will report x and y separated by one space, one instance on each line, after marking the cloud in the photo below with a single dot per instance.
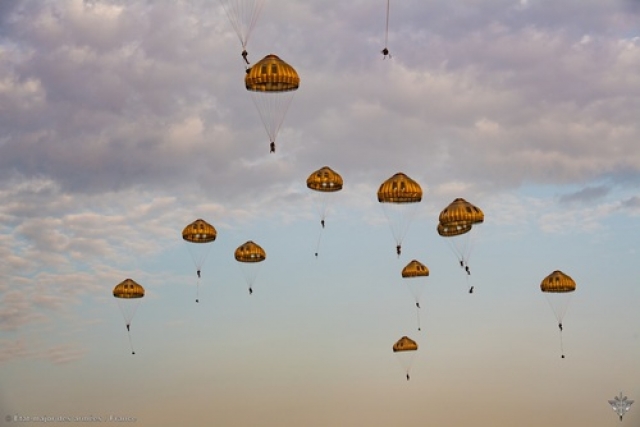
586 195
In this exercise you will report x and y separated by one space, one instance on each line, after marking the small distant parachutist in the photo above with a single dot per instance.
316 254
250 291
322 223
471 290
198 273
197 300
133 352
272 147
385 53
128 328
399 250
560 326
408 377
466 268
461 264
244 56
418 304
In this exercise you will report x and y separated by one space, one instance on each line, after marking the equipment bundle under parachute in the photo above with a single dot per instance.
250 255
454 223
128 294
272 83
197 236
558 288
399 197
324 181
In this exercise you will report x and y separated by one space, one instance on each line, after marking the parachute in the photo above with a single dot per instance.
620 405
405 349
243 15
399 196
128 294
272 84
558 289
250 255
324 181
413 271
455 223
197 236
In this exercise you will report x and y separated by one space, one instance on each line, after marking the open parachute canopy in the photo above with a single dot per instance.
461 212
325 180
557 282
199 231
405 344
128 289
415 269
453 230
399 189
250 252
271 74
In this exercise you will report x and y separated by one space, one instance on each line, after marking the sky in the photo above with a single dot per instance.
123 121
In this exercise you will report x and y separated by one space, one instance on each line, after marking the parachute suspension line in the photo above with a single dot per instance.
386 31
130 342
273 109
318 242
561 346
418 316
243 16
198 290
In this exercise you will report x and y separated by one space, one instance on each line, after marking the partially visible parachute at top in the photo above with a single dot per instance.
399 196
198 235
324 182
243 15
272 84
558 288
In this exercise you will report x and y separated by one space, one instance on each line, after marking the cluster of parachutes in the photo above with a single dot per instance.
272 83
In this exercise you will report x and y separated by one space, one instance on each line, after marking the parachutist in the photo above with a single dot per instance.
322 223
244 56
197 300
418 304
250 291
408 377
466 268
316 254
128 328
198 273
461 264
471 290
272 147
560 326
398 250
562 357
385 53
133 352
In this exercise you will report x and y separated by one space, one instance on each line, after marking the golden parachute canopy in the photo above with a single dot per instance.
557 282
199 231
461 212
250 252
325 180
453 230
405 344
415 269
128 289
271 74
399 189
